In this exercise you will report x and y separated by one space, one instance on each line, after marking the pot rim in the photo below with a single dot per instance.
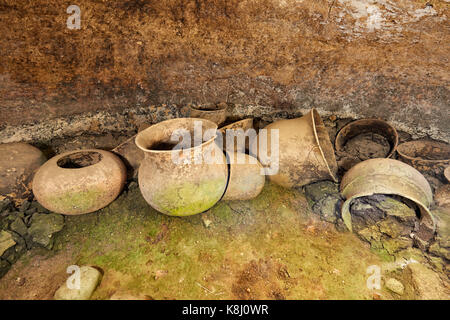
338 145
417 159
220 107
146 150
235 122
314 113
58 157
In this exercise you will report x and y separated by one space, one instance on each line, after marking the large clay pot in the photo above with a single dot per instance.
181 182
392 177
216 113
429 157
306 154
247 177
237 141
78 182
18 163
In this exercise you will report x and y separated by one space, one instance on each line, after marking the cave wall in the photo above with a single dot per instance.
353 58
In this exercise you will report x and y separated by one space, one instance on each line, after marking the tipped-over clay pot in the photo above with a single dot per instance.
391 177
18 163
216 113
247 177
306 154
79 182
181 182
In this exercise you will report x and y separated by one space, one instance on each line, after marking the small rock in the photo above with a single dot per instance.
328 208
19 226
20 281
6 241
395 286
206 221
43 226
89 279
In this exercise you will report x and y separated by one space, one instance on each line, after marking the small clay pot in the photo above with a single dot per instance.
79 182
429 157
237 140
392 177
181 181
18 163
216 113
305 153
247 177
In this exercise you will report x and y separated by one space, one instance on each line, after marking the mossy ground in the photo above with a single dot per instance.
271 247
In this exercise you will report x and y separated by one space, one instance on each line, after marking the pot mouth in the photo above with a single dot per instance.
209 107
415 150
236 124
323 141
79 159
160 137
358 127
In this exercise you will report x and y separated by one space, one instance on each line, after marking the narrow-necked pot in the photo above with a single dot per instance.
79 182
306 154
181 182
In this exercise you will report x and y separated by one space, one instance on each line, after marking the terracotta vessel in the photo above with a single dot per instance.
79 182
305 152
216 113
247 177
18 163
362 126
181 182
430 157
237 141
391 177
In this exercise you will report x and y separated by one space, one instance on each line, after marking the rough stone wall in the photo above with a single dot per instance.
353 58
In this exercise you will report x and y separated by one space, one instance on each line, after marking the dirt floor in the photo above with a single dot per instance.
271 247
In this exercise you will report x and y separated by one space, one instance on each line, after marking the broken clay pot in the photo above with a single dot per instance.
429 157
305 152
390 177
18 163
237 139
79 182
182 178
247 177
358 127
216 113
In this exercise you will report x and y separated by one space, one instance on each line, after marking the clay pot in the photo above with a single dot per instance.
392 177
362 126
216 113
181 182
247 177
79 182
306 154
442 196
429 157
18 163
237 142
447 173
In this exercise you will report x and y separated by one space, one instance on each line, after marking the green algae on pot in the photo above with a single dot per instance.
184 177
388 176
79 182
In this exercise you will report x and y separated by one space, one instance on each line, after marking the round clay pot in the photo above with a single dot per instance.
78 182
247 177
18 163
216 113
236 140
430 157
306 154
358 127
181 182
392 177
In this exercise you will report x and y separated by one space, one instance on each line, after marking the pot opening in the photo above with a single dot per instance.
323 140
79 160
175 134
209 107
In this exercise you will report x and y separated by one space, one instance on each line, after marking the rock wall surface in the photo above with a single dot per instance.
353 58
